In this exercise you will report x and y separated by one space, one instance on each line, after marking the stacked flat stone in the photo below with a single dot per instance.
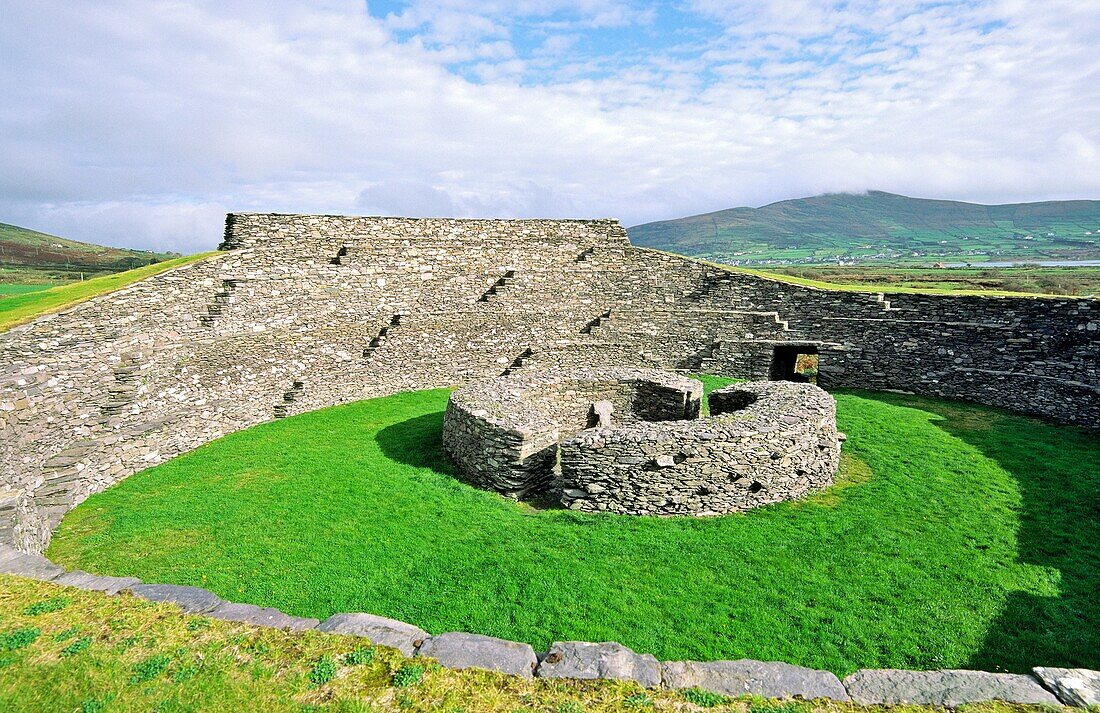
503 433
763 443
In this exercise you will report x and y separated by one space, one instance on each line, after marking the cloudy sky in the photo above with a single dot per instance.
142 123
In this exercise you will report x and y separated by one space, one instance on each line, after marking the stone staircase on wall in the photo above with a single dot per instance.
122 391
289 396
503 283
383 334
222 299
519 362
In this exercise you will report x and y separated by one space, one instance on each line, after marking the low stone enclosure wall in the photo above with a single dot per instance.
607 660
630 441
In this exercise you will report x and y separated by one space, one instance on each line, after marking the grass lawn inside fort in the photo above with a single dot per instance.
957 536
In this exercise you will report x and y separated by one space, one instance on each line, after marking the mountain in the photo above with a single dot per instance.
28 256
883 227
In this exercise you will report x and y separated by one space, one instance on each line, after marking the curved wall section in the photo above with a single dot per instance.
301 312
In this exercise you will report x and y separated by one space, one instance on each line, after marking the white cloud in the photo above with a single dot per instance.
141 123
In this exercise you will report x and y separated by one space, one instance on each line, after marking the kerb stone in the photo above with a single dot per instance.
461 650
581 659
759 678
381 631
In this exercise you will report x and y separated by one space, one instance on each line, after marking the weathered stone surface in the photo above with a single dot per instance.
261 616
192 600
97 583
1074 686
378 629
580 659
943 688
13 561
461 650
759 678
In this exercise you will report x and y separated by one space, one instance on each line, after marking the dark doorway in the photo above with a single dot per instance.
795 362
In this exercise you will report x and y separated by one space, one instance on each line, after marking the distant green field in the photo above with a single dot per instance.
29 256
23 307
6 290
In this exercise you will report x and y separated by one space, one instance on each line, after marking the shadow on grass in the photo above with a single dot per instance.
1057 470
419 442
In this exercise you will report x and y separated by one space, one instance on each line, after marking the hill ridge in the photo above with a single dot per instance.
881 226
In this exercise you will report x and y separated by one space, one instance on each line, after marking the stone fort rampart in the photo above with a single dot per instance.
301 312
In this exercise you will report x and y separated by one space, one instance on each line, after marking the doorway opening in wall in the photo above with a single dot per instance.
795 362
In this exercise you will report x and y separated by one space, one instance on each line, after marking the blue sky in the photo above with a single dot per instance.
142 122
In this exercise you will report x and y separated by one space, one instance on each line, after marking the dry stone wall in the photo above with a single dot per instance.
764 442
503 433
301 312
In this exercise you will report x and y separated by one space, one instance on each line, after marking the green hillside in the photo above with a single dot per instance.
29 257
881 227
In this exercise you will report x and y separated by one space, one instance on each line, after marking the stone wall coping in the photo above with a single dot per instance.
607 660
767 414
501 401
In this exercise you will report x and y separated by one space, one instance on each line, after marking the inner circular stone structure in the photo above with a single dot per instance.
632 441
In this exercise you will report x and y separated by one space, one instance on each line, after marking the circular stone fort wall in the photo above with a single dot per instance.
631 441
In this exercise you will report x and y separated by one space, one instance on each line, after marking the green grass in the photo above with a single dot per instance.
142 657
8 290
22 308
958 536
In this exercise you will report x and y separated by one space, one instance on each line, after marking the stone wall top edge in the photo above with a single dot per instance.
423 218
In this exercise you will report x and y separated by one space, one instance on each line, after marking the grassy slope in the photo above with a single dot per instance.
21 308
28 256
66 650
860 226
958 537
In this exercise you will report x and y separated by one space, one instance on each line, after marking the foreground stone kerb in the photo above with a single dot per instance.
764 442
503 433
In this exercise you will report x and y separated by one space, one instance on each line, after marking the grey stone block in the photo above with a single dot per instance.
459 650
192 600
13 561
378 629
96 583
581 659
943 688
1074 686
743 677
262 616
